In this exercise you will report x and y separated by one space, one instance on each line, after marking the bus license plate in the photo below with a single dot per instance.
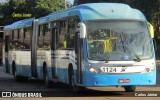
108 69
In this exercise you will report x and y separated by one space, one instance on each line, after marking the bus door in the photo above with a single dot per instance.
7 42
54 40
79 56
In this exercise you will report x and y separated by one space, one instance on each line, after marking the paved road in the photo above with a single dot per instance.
7 83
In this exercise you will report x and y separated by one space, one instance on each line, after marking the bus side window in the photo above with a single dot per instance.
67 32
21 35
20 39
47 36
10 32
72 26
18 42
54 35
14 44
15 34
40 36
63 35
12 35
27 37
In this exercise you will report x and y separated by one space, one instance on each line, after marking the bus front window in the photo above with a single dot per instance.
116 40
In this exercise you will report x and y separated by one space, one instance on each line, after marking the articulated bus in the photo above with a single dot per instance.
89 45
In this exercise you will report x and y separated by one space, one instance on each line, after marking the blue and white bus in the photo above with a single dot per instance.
90 45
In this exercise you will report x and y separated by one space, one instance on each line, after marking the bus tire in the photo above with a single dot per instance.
72 84
47 83
130 88
16 77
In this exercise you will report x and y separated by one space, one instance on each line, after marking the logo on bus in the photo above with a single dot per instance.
123 69
126 57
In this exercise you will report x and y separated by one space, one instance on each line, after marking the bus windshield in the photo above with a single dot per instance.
118 40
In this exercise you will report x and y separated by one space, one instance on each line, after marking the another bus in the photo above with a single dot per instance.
90 45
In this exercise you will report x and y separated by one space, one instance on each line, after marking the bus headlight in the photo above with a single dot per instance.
149 69
92 70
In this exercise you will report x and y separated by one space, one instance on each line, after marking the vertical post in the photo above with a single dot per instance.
65 3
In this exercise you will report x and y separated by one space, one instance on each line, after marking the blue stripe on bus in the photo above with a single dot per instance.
93 79
62 72
23 70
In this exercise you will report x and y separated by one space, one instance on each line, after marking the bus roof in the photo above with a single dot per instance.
96 11
20 24
85 12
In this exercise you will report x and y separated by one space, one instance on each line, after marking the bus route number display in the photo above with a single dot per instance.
108 69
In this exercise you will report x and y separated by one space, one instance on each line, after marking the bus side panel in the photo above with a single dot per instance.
63 62
44 56
12 58
23 62
65 57
48 63
40 61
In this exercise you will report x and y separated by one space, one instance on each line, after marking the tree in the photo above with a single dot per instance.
37 8
45 7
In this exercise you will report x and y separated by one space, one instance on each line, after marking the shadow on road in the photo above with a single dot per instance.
92 93
60 90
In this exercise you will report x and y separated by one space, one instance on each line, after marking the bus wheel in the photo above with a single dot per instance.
130 88
48 83
16 77
72 84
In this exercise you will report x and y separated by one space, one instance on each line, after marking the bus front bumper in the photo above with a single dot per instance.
138 79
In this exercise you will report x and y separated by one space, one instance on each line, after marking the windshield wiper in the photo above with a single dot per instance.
130 49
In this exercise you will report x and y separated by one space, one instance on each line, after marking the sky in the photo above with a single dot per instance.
2 0
71 1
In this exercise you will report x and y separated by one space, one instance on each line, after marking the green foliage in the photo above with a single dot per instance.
37 8
48 6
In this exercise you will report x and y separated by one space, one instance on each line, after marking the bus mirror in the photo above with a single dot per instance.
151 29
155 44
82 30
